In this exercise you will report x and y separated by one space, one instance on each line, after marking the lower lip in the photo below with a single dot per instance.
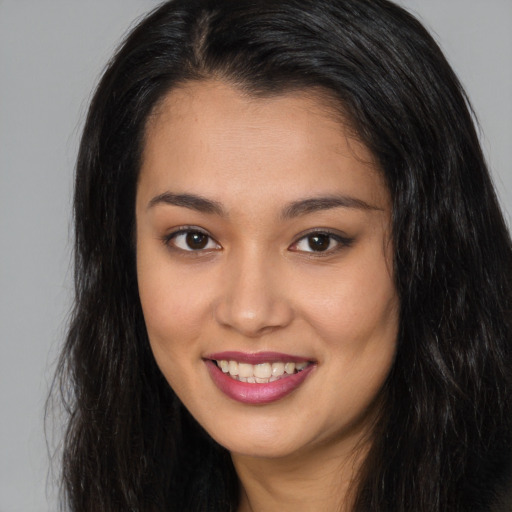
256 394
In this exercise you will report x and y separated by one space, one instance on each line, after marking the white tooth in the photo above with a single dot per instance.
223 366
245 370
233 368
289 368
277 369
242 379
301 366
261 380
263 371
251 380
273 379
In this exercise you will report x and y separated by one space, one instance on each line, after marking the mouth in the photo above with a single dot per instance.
258 378
261 373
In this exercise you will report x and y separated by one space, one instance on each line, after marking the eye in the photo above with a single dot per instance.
320 242
191 240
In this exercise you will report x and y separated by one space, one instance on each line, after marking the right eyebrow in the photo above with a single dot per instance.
191 201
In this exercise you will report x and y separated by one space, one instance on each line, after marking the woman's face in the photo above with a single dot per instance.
264 242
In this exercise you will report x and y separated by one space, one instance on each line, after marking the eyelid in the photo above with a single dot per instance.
183 230
343 241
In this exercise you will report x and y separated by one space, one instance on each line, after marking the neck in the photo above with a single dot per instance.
322 479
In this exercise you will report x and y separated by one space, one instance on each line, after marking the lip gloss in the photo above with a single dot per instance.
257 393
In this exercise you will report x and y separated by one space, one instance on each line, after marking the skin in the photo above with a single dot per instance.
257 285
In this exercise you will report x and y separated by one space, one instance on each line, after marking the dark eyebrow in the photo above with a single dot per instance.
192 201
314 204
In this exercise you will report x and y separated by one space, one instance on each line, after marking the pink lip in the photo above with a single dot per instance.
257 394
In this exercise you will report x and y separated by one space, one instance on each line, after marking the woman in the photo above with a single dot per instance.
293 277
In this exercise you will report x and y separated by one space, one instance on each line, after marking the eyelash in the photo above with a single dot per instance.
186 232
340 241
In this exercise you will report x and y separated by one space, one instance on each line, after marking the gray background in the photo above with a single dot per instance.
51 54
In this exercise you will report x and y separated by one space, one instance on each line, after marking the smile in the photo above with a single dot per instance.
262 373
257 379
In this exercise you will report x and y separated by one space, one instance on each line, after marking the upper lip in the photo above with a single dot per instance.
256 357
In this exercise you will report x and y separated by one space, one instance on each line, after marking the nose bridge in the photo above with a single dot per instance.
252 299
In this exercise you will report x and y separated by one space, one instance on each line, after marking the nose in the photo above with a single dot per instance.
253 299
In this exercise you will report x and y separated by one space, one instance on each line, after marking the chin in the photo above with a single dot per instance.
265 441
265 450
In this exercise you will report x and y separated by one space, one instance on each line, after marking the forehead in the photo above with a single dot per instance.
212 137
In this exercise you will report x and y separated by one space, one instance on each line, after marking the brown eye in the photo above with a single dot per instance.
196 241
319 242
192 240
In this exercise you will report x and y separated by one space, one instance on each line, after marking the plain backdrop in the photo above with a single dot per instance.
51 55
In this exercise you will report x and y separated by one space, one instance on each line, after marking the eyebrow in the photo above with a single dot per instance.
192 201
292 210
314 204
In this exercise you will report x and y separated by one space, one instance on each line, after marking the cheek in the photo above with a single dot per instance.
172 315
174 304
361 305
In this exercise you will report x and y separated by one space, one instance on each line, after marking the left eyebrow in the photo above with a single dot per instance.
314 204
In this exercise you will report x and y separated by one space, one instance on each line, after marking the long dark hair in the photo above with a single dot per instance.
444 438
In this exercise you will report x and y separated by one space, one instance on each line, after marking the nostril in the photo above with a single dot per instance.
253 318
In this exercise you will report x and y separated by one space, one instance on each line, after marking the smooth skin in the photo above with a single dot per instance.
264 225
